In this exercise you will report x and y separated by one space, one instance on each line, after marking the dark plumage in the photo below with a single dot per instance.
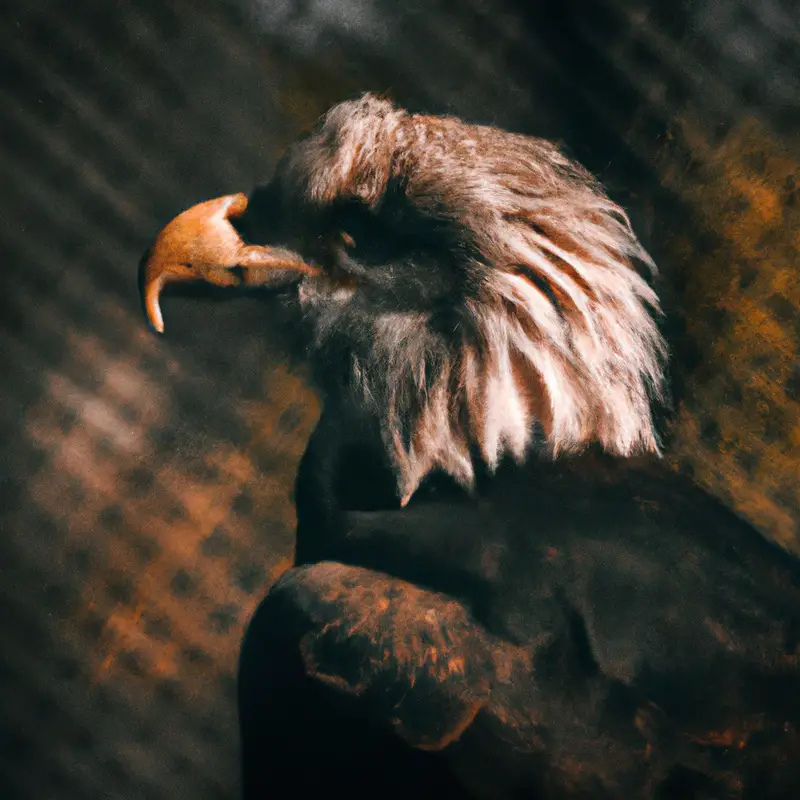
499 590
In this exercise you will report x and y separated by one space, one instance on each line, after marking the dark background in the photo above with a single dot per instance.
145 482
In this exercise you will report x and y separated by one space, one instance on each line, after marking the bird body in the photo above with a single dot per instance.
590 626
499 589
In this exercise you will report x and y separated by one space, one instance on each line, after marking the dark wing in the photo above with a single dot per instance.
352 675
356 680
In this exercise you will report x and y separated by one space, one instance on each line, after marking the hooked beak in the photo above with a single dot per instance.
201 244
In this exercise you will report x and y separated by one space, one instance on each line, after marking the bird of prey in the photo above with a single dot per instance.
499 590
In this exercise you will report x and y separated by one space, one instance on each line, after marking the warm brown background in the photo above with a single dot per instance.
145 482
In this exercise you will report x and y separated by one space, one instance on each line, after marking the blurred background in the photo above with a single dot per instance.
145 482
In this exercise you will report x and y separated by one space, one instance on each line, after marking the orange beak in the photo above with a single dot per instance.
201 244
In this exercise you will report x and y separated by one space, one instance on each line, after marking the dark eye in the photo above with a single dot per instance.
365 236
354 222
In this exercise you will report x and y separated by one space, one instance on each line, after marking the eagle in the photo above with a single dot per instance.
499 589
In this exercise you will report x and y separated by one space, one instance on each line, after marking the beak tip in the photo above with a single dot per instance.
157 326
154 318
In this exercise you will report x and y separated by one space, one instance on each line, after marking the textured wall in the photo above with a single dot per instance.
145 482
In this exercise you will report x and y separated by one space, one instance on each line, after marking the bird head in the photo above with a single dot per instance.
474 291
